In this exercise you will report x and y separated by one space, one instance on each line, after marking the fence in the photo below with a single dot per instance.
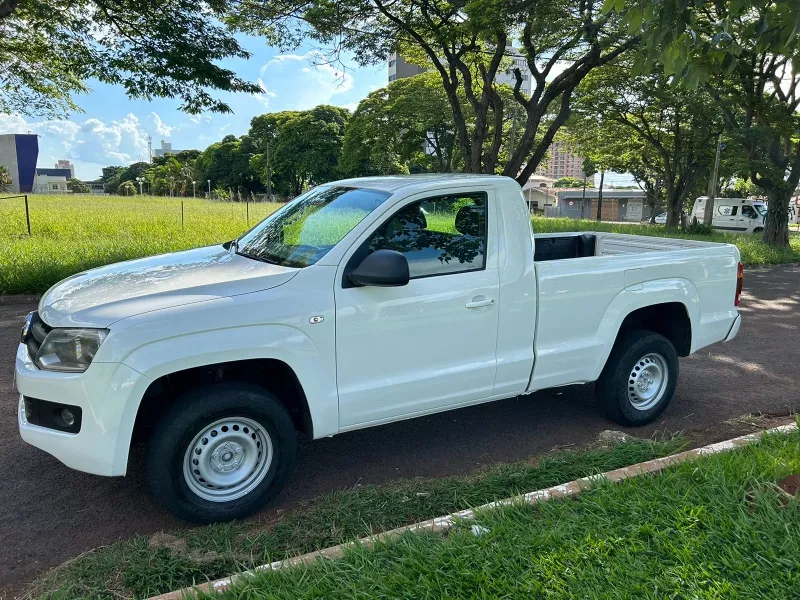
27 209
60 215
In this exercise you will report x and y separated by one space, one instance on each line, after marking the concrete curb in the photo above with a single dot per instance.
446 522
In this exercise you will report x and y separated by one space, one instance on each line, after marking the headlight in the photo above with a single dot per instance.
69 349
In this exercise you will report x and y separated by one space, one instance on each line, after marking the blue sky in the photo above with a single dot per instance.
113 129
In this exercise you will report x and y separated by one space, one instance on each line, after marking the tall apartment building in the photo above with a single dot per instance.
399 68
562 163
65 164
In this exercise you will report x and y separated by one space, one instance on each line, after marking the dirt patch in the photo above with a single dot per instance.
790 484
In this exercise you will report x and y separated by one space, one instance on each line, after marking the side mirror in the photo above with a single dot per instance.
382 268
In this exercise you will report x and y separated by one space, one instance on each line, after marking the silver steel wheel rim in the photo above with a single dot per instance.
227 459
647 381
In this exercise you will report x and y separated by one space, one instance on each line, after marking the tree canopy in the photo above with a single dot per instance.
159 48
746 55
467 45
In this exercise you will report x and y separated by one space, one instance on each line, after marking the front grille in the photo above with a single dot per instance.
36 334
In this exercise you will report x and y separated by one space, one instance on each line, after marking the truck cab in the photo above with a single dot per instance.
734 215
361 302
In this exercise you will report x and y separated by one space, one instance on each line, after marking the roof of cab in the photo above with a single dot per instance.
393 183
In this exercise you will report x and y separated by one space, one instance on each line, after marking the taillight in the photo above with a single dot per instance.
739 284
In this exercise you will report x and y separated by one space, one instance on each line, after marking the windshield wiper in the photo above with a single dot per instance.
258 258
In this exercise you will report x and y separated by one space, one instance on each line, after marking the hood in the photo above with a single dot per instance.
101 296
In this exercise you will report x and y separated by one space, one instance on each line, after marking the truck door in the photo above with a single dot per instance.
726 217
429 344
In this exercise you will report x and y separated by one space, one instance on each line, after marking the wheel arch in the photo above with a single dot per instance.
669 307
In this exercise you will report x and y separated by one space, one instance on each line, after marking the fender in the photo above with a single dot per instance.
280 342
649 293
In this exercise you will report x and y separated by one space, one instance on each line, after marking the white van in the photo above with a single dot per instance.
739 215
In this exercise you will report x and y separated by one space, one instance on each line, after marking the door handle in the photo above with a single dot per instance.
479 302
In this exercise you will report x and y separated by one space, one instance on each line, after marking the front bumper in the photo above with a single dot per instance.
108 395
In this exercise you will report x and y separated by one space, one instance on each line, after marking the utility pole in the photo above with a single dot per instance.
708 215
269 176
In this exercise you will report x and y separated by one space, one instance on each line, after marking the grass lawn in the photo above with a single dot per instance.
148 565
716 528
72 234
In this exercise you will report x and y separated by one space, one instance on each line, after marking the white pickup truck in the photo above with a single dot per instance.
359 303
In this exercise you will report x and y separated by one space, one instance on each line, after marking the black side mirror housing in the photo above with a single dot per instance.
382 268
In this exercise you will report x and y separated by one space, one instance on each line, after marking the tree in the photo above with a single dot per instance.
126 188
466 44
227 165
674 126
5 179
159 48
746 55
572 182
304 146
78 187
404 126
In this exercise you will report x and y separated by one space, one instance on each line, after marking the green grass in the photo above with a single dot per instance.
145 566
72 234
718 528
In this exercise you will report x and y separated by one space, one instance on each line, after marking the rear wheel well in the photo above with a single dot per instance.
670 319
271 374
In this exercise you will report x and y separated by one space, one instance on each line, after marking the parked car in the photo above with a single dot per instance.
362 302
661 219
740 215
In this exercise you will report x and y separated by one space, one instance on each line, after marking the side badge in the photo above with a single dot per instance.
316 319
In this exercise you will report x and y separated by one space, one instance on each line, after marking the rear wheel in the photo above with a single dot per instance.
639 378
221 453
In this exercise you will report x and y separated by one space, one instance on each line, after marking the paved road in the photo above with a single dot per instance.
49 513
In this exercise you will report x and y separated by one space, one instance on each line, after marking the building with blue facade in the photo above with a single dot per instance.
19 153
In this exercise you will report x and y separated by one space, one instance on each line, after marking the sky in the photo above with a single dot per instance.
113 129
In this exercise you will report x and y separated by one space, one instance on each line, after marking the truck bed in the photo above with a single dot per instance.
587 281
580 244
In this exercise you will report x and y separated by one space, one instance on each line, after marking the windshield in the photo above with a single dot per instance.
303 231
761 208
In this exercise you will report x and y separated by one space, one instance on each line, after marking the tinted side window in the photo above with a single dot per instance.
438 236
749 211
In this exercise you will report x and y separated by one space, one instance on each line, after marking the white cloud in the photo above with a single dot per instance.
197 119
265 95
351 106
160 127
305 79
92 141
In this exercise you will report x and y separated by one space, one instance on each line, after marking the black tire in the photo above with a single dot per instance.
758 231
197 410
618 389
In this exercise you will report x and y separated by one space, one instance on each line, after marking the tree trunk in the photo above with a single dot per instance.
776 228
600 197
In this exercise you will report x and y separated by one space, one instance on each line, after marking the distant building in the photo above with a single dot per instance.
562 163
52 181
166 148
399 68
19 153
97 187
618 205
65 164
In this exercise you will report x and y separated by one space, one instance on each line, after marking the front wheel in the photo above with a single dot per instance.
639 378
221 453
